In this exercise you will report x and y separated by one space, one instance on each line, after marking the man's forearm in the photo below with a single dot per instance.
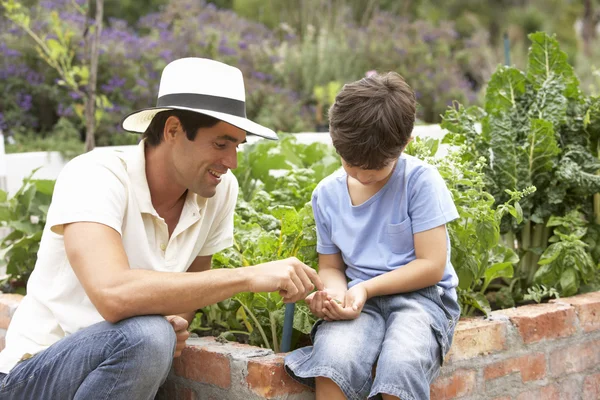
417 274
141 292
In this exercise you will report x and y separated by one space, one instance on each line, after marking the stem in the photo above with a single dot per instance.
238 332
258 326
525 245
274 332
597 195
538 237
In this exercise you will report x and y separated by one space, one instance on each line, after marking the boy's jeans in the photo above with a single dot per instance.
126 360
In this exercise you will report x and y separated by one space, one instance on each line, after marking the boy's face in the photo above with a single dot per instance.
368 177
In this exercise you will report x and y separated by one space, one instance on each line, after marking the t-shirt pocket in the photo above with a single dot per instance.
400 237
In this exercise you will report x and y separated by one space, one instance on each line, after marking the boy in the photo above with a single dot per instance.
389 303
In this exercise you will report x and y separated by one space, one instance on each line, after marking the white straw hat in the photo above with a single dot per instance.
204 86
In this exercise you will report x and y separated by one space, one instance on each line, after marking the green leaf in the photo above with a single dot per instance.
569 282
546 61
44 186
542 150
479 301
503 90
303 318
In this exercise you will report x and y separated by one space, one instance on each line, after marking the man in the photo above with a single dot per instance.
125 256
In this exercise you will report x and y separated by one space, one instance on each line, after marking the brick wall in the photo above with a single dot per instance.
539 352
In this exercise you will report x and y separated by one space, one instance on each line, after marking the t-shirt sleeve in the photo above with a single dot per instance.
88 191
220 235
324 243
431 203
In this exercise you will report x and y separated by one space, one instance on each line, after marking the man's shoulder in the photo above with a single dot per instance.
95 160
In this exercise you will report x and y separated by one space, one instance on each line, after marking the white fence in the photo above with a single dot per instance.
14 167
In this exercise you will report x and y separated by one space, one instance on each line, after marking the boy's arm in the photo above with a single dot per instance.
426 270
331 271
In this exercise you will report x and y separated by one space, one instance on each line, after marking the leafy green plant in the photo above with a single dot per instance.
24 214
566 263
538 293
478 255
537 129
325 97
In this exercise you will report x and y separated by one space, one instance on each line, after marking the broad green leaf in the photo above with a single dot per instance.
44 186
504 87
541 152
303 318
500 270
479 301
546 60
569 282
550 254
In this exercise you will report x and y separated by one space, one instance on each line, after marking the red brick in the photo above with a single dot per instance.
202 365
542 321
475 337
572 359
544 393
588 309
532 367
591 387
502 398
460 383
267 378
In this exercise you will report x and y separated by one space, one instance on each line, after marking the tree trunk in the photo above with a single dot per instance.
90 105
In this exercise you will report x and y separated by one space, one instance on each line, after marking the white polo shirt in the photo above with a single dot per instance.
111 189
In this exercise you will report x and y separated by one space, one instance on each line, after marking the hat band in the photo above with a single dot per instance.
204 102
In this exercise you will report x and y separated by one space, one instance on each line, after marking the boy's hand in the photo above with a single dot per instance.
316 300
351 307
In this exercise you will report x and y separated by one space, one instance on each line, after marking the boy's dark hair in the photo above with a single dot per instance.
190 122
372 119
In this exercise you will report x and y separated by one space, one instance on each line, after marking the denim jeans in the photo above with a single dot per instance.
126 360
404 336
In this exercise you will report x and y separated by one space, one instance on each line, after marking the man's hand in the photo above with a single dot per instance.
316 301
180 326
293 279
350 308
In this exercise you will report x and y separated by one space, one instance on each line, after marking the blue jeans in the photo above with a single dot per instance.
126 360
404 336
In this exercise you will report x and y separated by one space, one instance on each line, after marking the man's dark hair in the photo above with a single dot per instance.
372 120
190 122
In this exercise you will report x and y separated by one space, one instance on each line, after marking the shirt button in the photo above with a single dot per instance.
163 247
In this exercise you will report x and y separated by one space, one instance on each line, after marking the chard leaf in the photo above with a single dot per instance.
546 61
542 150
505 85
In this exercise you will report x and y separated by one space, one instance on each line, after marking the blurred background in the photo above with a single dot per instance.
295 55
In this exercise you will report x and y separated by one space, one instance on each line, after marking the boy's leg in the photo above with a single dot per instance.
343 352
126 360
416 334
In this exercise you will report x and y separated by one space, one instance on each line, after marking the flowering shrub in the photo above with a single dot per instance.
282 69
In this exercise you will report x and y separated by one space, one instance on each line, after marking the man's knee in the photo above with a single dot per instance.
150 337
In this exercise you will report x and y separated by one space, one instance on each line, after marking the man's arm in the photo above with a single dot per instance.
426 270
200 264
97 256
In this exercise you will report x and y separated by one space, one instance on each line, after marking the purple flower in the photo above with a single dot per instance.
24 101
75 95
227 51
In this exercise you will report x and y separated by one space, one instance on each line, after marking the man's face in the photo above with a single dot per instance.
199 164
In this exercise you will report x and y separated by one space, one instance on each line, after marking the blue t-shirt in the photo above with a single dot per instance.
377 236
